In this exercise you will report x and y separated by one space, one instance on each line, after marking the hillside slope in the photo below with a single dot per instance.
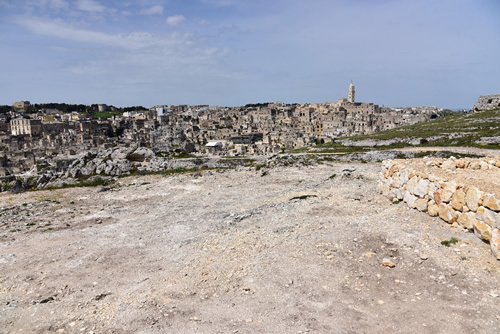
480 130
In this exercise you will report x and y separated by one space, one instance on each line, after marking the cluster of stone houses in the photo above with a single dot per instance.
252 129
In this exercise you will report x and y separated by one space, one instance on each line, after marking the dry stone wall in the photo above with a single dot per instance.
454 200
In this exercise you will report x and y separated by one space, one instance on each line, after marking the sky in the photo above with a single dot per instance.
442 53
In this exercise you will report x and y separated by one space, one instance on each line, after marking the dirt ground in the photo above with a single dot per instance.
285 250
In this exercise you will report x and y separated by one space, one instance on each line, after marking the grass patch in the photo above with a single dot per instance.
300 149
97 181
180 170
450 242
183 155
339 148
456 129
106 114
83 182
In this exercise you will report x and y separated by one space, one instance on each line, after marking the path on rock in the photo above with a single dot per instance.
288 250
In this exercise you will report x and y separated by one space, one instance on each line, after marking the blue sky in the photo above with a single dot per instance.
233 52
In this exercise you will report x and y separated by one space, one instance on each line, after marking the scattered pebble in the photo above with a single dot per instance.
388 263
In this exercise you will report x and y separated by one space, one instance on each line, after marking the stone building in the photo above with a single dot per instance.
21 105
23 126
487 102
351 97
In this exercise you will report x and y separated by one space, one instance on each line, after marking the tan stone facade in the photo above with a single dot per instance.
23 126
20 104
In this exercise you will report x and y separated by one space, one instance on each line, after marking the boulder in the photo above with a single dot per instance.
141 154
384 187
484 165
421 204
447 214
404 176
395 180
495 243
432 189
486 215
467 220
188 147
409 199
482 230
432 209
398 193
449 164
120 153
491 202
474 165
412 185
448 191
472 198
437 195
458 200
422 188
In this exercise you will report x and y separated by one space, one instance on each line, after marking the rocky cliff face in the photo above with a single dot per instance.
56 170
487 102
114 162
61 170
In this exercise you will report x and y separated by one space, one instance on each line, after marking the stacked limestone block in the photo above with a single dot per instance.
475 210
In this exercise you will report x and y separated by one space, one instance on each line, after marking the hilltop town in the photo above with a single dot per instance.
29 132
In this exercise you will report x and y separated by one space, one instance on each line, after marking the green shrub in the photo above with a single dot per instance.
448 243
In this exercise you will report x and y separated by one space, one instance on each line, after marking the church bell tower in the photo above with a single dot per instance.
351 97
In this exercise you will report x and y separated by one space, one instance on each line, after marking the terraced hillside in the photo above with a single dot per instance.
481 130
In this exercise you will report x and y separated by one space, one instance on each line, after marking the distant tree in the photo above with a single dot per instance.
255 105
448 112
63 107
133 108
31 109
5 109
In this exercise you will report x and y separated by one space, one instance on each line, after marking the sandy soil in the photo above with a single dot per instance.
296 250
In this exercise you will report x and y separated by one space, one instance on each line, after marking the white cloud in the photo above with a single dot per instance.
175 20
58 29
153 10
90 6
58 4
179 45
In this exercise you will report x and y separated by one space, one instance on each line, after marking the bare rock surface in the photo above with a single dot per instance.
291 250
